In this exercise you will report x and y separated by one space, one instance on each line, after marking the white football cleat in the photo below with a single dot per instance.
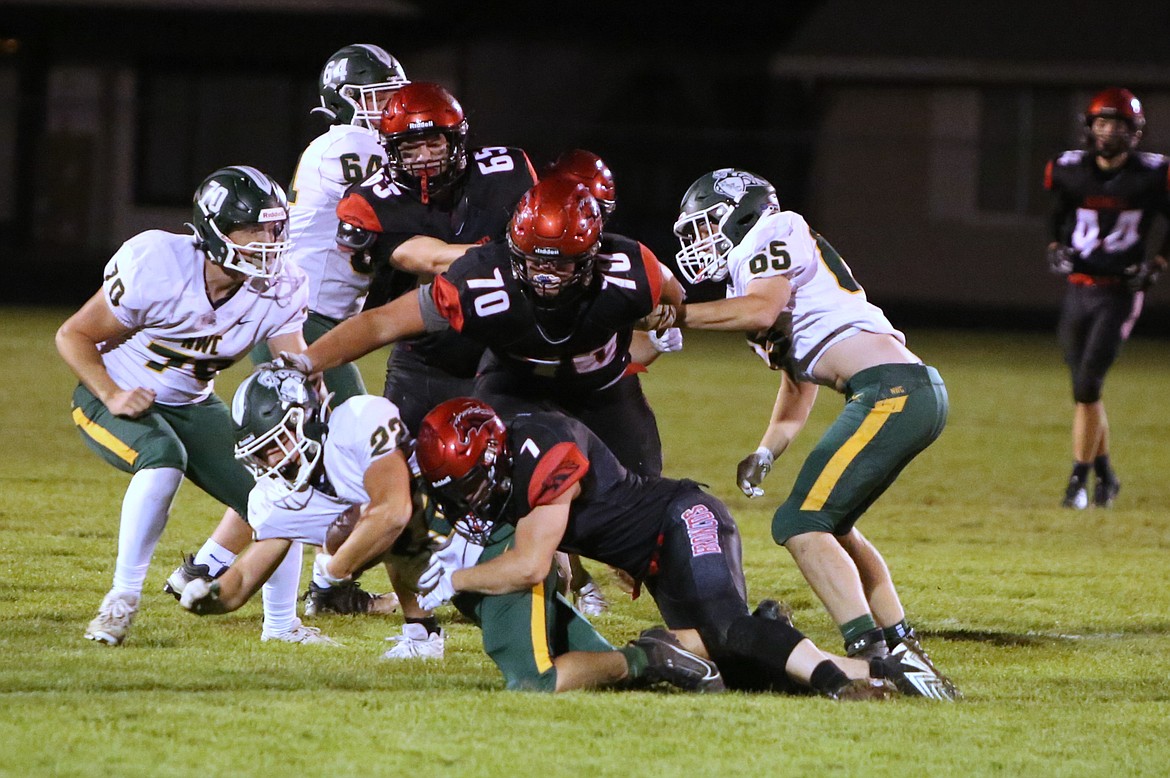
299 633
416 643
113 619
589 600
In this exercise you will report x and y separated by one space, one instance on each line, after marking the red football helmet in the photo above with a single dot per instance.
418 112
1115 103
554 236
589 169
462 451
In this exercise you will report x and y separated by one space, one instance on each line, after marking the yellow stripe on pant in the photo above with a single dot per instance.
874 421
540 652
104 438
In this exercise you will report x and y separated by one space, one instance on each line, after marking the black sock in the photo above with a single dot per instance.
895 632
430 622
1080 471
827 678
1102 468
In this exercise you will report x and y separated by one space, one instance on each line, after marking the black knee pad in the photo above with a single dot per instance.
750 636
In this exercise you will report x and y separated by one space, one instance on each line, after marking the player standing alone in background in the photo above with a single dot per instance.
1104 199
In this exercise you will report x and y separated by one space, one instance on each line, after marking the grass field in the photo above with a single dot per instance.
1055 624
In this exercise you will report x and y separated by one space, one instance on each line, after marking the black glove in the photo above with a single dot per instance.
1060 259
1145 277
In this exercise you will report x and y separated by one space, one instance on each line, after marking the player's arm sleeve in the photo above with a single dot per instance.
555 473
440 305
1058 203
126 284
295 305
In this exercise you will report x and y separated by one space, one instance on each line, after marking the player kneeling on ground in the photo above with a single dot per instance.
312 476
557 484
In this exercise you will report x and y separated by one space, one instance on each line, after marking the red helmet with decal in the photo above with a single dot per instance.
587 168
425 111
462 451
1115 103
554 236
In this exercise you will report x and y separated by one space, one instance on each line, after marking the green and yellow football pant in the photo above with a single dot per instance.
344 381
524 631
196 439
892 412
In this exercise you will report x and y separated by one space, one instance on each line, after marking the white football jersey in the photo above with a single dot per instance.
827 304
343 155
154 284
362 430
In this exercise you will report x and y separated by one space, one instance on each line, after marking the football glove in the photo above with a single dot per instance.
752 470
201 597
321 570
1145 277
435 585
669 341
1060 259
661 318
294 361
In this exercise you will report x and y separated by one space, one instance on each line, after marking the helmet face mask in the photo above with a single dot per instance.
462 451
717 212
357 82
554 237
276 417
1113 123
241 200
416 122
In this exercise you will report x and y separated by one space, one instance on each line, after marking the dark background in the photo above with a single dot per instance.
865 116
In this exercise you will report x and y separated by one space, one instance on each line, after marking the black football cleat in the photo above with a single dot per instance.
1105 491
773 610
184 574
670 662
1076 496
864 689
346 599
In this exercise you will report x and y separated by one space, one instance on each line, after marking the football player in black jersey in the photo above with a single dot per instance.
1104 200
434 199
555 305
552 480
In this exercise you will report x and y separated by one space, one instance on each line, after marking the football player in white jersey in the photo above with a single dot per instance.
173 311
312 473
806 314
354 86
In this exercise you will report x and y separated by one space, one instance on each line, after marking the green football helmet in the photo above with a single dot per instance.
356 82
716 213
276 408
240 196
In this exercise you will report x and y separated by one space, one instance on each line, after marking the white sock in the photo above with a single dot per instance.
216 557
280 593
145 508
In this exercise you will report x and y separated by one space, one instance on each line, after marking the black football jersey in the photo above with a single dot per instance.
582 347
477 208
1106 215
618 515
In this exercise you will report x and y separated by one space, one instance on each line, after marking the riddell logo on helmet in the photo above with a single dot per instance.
442 481
273 215
547 251
421 124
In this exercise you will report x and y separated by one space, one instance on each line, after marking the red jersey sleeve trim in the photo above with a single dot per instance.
446 299
653 274
353 209
562 466
1048 176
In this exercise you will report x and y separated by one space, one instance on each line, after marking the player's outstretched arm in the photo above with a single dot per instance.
794 401
237 585
387 482
757 310
369 330
427 256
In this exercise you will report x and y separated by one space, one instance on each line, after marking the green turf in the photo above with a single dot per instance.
1054 623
